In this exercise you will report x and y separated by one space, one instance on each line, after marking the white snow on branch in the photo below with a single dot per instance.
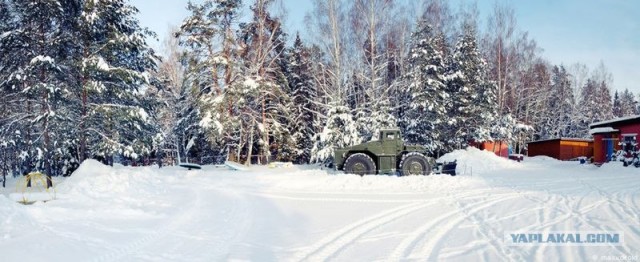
43 59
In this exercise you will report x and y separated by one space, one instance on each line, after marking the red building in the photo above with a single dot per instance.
561 148
608 134
499 148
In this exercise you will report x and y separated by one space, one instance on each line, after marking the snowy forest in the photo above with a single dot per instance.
79 80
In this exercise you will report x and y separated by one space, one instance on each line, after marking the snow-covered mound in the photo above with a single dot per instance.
94 179
477 161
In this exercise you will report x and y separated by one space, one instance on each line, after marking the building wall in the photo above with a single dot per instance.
573 149
599 140
629 129
561 149
600 146
550 148
498 147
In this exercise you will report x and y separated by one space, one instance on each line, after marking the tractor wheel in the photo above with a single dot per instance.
415 163
359 164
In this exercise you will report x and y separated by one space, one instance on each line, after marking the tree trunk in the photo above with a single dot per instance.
83 137
249 149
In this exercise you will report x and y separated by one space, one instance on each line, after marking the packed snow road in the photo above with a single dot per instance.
306 214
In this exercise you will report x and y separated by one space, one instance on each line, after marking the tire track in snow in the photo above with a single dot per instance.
615 200
570 209
469 213
559 202
550 198
340 239
494 235
410 243
332 244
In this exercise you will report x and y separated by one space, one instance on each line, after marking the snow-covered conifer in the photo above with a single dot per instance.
339 131
473 98
426 89
303 95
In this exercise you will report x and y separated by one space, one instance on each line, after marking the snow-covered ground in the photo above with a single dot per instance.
302 213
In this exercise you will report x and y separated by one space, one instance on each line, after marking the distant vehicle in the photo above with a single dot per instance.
387 155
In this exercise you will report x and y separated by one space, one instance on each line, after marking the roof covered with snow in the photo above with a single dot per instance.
598 130
564 139
616 121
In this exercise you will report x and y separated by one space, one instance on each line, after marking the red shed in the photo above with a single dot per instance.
608 134
500 148
564 148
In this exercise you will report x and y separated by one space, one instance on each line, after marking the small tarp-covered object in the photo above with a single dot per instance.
32 188
190 166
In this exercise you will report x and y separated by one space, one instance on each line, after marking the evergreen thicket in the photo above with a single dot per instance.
78 81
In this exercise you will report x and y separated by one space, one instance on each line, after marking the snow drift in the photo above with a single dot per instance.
478 161
96 180
306 213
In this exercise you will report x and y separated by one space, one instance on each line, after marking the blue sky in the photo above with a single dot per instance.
569 31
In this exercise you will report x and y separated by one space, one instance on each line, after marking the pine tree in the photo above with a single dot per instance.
426 113
114 66
627 104
595 105
253 109
7 151
206 118
617 107
339 131
559 104
36 78
76 71
605 110
473 105
303 94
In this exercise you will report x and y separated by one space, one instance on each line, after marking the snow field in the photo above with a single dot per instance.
304 213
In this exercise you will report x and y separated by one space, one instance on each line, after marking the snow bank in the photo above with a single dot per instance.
93 179
477 161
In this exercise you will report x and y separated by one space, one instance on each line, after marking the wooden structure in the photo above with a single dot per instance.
607 136
561 148
500 148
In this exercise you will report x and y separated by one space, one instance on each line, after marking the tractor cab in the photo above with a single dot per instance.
389 134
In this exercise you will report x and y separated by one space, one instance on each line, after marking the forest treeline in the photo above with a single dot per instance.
78 80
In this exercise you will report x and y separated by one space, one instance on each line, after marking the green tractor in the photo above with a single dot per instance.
387 155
